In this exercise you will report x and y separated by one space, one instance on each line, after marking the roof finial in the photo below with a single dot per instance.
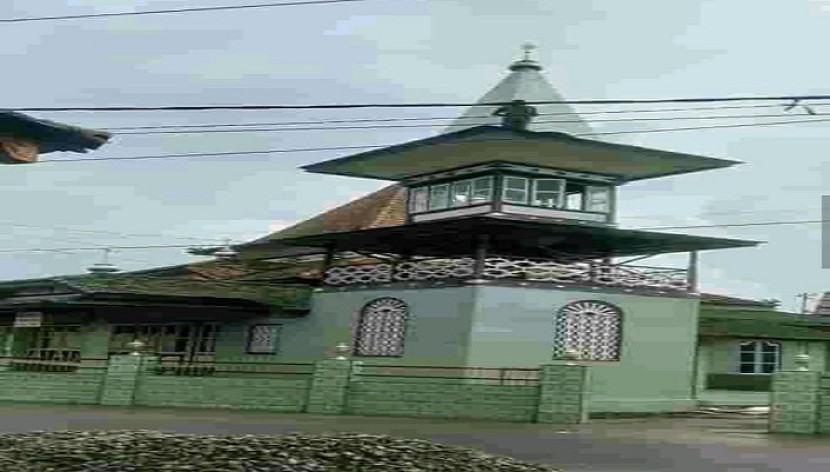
526 63
528 47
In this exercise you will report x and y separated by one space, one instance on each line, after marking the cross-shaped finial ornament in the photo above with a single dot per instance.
528 48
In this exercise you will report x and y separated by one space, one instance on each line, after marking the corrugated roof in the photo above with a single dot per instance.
386 207
525 82
286 297
755 322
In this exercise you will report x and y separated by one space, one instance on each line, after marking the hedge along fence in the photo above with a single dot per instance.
551 394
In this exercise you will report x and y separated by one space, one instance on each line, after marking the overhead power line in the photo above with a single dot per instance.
370 146
330 128
432 118
785 98
168 246
733 225
109 233
176 10
215 154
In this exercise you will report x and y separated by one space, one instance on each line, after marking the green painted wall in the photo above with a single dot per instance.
273 393
300 340
67 388
513 326
437 330
401 396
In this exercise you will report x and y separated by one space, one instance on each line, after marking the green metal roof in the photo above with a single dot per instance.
757 323
483 144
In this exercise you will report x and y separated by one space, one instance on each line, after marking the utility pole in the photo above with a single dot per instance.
804 298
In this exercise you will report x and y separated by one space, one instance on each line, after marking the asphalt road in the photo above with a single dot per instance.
652 445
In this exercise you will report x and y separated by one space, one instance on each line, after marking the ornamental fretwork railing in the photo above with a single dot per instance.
583 273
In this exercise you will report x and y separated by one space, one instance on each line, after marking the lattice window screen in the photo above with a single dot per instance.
590 328
381 328
263 339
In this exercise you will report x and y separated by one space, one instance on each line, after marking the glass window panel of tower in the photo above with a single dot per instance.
548 192
439 197
419 200
598 199
482 190
574 196
461 193
515 190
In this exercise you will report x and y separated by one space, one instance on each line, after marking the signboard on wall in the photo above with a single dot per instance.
28 319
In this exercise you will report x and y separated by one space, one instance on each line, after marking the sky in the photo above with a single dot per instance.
394 52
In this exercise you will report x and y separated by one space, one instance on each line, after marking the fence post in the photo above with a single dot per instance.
330 384
122 377
563 394
795 402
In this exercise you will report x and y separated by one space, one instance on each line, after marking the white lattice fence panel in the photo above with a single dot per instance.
641 277
359 274
434 269
499 268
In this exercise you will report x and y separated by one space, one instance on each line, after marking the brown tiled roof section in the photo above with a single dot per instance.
386 207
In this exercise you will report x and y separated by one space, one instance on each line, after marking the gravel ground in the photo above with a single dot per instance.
151 451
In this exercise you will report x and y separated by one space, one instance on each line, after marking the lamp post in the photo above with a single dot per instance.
802 362
341 350
571 355
136 346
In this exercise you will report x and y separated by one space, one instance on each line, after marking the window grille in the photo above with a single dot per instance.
263 339
589 328
177 340
381 328
55 343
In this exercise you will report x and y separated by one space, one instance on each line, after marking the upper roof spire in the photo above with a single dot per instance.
524 82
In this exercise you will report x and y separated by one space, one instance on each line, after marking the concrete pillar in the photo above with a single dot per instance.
123 376
563 394
795 402
329 387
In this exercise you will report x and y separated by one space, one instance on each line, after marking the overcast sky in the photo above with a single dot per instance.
403 51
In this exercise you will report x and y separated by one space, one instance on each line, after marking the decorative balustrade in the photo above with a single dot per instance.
589 273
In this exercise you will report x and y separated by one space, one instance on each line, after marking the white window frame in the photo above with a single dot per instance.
454 193
275 330
415 204
476 189
758 353
525 190
433 191
560 193
591 191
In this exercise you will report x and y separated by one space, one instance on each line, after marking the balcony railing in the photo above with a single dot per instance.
582 273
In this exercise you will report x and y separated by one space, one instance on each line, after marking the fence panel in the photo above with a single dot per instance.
242 385
509 394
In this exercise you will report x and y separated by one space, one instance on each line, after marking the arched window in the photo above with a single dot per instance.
381 328
590 328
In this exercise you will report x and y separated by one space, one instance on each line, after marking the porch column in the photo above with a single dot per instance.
692 273
95 340
482 244
327 261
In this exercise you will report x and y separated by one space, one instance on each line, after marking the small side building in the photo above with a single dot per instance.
741 343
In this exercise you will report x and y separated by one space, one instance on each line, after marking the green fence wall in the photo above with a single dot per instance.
44 387
333 386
